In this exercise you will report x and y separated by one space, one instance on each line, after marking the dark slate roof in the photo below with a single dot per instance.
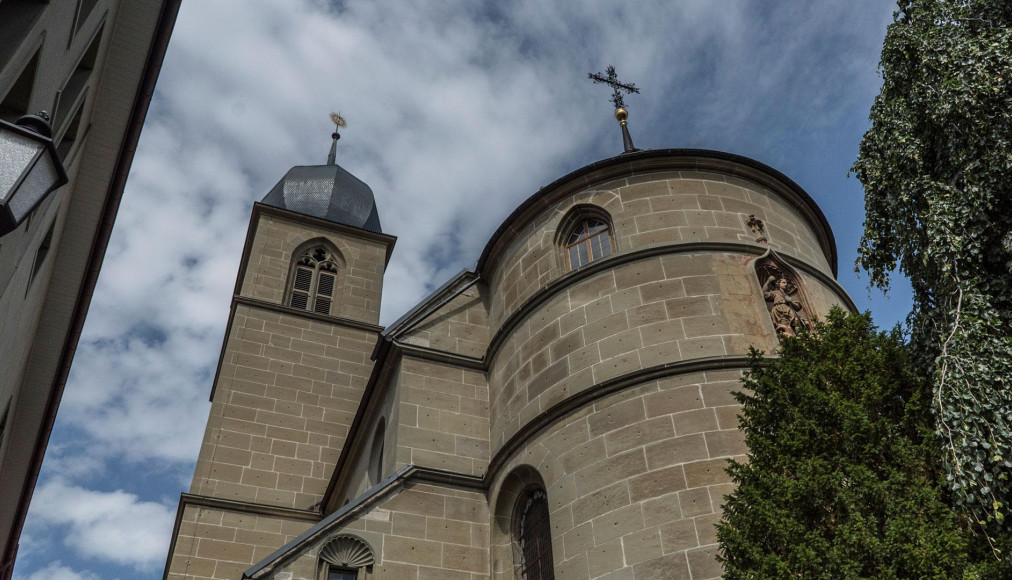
328 192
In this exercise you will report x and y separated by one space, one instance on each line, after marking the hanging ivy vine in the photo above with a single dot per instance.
936 167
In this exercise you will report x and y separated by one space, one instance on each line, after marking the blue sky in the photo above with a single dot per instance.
457 112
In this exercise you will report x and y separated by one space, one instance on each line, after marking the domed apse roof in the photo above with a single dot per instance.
328 192
633 162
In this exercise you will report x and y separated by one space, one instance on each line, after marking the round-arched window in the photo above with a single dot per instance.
589 241
534 536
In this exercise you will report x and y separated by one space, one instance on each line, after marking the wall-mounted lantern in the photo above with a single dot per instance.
30 169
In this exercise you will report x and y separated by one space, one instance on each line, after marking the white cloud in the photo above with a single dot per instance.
113 526
57 571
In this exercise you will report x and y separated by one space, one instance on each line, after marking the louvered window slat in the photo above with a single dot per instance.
303 279
299 301
322 305
326 285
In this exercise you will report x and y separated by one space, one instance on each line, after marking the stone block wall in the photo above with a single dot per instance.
424 532
460 327
215 544
287 392
640 314
443 417
635 481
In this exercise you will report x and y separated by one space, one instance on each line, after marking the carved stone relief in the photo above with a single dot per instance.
785 297
758 229
318 255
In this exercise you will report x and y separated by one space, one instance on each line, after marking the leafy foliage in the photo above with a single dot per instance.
841 479
937 171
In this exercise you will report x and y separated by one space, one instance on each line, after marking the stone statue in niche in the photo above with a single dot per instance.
758 229
784 297
784 310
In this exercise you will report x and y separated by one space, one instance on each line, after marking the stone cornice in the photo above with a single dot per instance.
281 309
260 209
601 390
189 499
570 279
248 507
358 506
435 355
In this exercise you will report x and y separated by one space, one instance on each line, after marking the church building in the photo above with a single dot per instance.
563 410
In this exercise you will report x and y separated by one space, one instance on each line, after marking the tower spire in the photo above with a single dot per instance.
621 114
339 122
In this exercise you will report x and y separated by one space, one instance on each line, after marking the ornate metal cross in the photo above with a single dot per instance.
612 81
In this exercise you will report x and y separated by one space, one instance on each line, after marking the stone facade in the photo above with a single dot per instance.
607 387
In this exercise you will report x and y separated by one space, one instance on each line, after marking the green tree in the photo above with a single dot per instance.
936 167
841 480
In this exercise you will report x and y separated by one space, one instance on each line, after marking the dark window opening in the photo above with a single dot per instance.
3 422
346 574
376 456
19 97
534 536
84 8
40 255
69 137
17 19
73 89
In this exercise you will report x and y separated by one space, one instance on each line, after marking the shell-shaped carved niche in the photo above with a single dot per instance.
347 551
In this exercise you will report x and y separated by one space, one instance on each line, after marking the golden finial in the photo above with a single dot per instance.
339 122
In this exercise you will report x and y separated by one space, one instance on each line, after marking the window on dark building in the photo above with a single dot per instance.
18 98
40 255
17 21
84 9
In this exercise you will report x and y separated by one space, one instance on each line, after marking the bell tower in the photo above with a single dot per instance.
293 368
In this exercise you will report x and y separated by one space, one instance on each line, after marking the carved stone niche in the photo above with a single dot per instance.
784 294
346 553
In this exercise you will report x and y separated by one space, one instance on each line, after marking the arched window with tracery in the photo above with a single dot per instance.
533 535
585 234
589 241
313 280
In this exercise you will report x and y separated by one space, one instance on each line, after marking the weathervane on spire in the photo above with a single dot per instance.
621 114
339 122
